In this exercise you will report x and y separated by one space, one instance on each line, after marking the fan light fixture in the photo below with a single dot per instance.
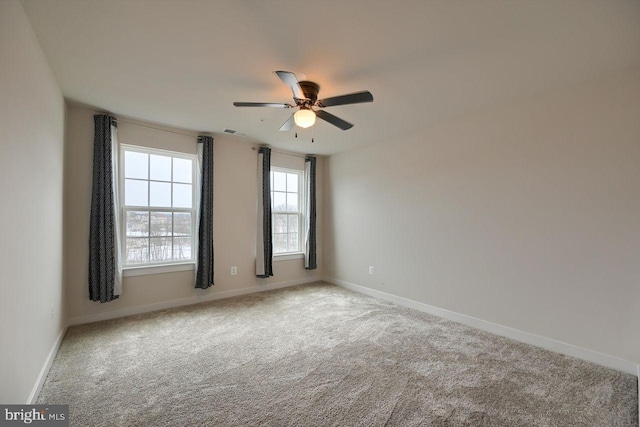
305 118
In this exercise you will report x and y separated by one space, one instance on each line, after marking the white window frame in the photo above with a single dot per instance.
159 266
299 253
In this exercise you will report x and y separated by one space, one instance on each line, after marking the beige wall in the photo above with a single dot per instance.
235 187
31 163
526 215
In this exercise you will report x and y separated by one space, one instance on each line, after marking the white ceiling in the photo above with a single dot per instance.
183 62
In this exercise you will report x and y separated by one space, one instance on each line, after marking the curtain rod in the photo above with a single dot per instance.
287 153
195 134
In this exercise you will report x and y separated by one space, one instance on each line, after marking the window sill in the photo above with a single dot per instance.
287 257
157 269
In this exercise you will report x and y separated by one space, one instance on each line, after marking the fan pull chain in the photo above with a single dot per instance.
296 134
313 134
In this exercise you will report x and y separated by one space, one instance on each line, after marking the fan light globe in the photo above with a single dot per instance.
304 118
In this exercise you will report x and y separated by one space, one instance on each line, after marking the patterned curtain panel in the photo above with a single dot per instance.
105 271
204 258
264 245
310 253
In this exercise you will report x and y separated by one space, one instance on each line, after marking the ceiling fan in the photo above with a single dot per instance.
305 97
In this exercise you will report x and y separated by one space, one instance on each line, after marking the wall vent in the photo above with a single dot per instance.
234 132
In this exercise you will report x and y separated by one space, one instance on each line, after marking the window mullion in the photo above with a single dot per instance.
172 183
173 218
148 180
149 240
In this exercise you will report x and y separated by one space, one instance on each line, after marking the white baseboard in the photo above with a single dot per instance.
505 331
187 301
45 368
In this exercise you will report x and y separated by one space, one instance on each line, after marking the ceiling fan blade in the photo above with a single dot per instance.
289 79
262 104
334 120
351 98
288 125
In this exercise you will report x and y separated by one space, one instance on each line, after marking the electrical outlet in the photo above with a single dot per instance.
371 269
52 311
234 270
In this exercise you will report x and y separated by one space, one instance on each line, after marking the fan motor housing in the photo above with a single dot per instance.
310 90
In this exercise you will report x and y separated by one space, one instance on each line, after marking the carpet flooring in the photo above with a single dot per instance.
320 355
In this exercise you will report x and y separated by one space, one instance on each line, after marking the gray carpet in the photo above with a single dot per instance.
319 355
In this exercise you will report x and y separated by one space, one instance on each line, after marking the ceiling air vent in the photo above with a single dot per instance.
234 132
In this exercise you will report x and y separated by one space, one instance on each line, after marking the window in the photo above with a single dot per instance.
157 204
287 210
